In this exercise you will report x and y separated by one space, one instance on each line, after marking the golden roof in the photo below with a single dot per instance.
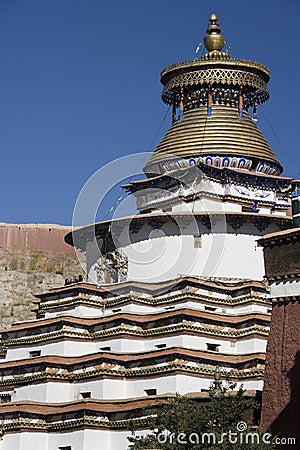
224 133
214 94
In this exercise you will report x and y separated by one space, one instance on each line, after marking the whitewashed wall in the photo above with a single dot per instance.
220 255
138 344
78 440
116 388
285 288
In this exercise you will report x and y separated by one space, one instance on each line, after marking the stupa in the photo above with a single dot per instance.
172 294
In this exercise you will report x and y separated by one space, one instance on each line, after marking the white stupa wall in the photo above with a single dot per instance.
171 257
25 440
136 344
87 439
144 308
176 249
116 388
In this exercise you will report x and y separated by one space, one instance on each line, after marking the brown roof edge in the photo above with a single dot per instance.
99 405
137 318
106 288
278 236
124 357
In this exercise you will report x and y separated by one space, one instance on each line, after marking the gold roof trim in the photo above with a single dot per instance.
196 62
221 72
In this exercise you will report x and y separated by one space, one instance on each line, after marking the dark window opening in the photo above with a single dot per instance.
35 353
85 394
213 347
209 308
151 391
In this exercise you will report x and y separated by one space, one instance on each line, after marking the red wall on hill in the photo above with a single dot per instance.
44 238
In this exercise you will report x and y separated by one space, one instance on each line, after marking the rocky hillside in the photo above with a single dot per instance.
26 271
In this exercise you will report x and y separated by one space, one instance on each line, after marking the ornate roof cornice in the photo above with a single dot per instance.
219 174
133 319
279 238
154 301
129 359
89 414
122 331
156 289
231 71
172 368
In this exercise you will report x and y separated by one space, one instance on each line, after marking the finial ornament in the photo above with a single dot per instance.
203 87
214 41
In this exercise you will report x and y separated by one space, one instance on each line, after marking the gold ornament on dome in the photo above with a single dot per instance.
214 41
215 68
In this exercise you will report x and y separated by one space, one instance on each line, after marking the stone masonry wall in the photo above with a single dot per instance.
33 259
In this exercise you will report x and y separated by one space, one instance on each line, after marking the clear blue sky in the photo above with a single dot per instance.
79 86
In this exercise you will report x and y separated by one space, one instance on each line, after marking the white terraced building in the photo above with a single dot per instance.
173 293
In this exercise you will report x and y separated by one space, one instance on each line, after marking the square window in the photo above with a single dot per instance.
213 347
34 353
151 391
247 209
85 394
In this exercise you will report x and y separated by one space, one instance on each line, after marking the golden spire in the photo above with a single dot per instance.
214 41
215 92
